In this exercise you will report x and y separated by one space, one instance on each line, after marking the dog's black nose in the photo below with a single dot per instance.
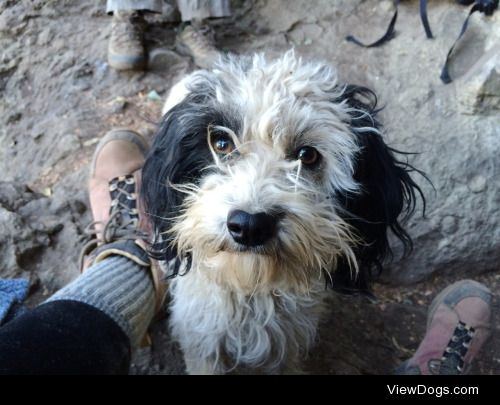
251 229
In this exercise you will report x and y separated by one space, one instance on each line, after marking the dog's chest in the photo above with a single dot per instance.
264 328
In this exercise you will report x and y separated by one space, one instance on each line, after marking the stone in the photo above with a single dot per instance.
9 225
14 117
45 36
449 224
162 59
49 225
305 34
479 90
13 196
78 206
37 134
21 237
116 106
70 196
478 184
66 145
288 16
386 6
13 19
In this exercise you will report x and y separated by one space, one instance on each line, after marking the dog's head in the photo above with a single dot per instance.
266 174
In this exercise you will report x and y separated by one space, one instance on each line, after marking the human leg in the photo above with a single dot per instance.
196 39
93 324
126 43
201 9
134 5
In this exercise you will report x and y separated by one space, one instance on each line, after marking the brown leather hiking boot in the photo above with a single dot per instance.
198 43
458 325
126 43
120 226
120 154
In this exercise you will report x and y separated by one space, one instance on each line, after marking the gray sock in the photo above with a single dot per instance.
121 289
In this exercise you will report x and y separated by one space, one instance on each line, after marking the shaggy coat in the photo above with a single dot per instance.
300 157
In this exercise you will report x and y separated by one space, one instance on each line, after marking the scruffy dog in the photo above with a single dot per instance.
266 179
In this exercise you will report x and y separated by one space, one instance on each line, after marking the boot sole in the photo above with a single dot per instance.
120 62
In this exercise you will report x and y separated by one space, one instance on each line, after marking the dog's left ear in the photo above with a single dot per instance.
178 156
387 192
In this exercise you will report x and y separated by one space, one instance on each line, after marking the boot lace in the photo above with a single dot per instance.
452 362
123 222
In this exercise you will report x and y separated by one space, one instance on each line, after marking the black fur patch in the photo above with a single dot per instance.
387 193
180 154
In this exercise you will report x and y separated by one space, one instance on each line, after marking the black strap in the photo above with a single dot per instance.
423 17
389 34
485 6
445 74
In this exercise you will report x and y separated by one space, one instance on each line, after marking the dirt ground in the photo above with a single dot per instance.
59 97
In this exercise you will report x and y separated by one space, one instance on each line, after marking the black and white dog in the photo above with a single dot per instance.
268 177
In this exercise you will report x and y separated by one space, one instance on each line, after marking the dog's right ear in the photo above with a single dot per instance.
387 194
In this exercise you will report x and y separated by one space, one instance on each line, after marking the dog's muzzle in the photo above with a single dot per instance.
251 229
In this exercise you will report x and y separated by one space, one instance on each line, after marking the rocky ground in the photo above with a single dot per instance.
59 96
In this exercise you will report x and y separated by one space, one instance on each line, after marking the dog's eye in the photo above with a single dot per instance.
308 155
222 144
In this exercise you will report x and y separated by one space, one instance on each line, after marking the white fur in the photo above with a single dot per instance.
219 329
